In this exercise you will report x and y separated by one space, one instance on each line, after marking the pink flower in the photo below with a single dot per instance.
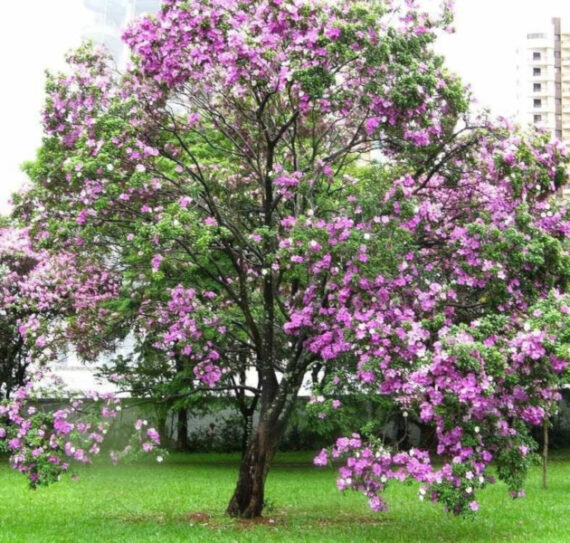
321 459
153 434
156 261
314 246
286 181
332 33
370 125
474 506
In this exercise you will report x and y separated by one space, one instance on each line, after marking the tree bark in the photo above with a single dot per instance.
182 430
247 423
544 452
248 498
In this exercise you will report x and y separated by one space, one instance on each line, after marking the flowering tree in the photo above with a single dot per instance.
14 265
218 180
34 296
38 293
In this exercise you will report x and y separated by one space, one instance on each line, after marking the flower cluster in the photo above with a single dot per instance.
43 443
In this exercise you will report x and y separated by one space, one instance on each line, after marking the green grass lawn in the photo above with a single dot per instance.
184 499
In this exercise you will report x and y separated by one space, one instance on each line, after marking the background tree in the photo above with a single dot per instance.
280 260
34 297
14 265
38 292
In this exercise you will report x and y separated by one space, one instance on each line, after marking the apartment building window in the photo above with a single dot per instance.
537 102
537 118
558 134
556 54
536 87
536 71
536 55
558 101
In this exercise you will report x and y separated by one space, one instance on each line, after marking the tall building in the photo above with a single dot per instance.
544 79
110 17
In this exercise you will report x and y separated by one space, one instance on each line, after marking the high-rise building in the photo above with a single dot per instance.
110 17
544 79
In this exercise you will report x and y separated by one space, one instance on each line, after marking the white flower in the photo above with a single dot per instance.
110 167
469 489
477 429
159 459
366 236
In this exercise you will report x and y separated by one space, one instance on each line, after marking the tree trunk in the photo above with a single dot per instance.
162 427
544 451
248 498
182 430
247 428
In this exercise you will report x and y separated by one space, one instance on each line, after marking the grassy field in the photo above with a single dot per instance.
184 498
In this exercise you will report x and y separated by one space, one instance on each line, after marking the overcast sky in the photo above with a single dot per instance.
36 34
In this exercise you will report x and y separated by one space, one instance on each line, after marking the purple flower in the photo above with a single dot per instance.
321 459
153 434
156 261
